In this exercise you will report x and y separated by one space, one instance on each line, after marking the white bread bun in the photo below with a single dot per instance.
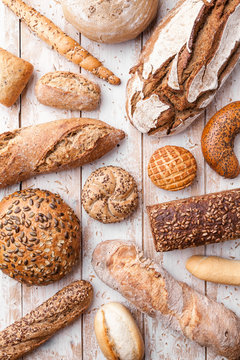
110 21
117 333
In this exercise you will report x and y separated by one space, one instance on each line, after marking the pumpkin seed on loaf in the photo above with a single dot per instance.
39 237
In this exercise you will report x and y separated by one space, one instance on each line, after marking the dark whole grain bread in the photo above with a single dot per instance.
188 57
41 324
196 221
54 146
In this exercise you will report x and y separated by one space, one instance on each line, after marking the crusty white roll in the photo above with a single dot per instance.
117 333
110 21
214 269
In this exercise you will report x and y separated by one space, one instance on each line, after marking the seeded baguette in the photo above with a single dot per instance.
66 90
155 292
46 30
54 146
196 221
41 324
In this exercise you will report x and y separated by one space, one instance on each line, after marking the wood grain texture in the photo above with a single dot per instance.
78 341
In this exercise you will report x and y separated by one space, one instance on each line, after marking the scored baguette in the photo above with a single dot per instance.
155 292
215 269
41 324
46 30
54 146
195 221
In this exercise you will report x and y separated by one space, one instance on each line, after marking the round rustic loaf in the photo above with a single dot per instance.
39 237
110 194
110 21
172 168
117 333
218 141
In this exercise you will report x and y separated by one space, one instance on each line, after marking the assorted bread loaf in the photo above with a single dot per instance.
54 146
66 90
155 292
172 168
14 76
186 60
41 324
117 333
39 237
195 221
46 30
215 269
110 21
110 194
218 140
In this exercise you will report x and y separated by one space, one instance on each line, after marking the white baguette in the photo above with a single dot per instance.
214 269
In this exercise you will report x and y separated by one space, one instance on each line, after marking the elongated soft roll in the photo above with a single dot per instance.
215 269
54 146
155 292
186 60
41 324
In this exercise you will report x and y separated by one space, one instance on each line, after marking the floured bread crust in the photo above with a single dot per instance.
187 59
110 21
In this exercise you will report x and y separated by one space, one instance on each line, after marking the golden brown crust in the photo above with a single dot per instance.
66 90
59 41
14 76
172 168
110 194
218 141
41 324
155 292
195 221
54 146
39 237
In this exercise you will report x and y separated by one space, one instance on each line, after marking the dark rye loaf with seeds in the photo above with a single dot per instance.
42 323
196 221
53 146
39 237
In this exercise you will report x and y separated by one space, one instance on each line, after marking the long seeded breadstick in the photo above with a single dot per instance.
58 40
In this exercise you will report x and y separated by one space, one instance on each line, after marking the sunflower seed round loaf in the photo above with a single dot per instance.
39 237
110 194
172 168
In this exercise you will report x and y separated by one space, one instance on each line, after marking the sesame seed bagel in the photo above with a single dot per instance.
110 194
39 237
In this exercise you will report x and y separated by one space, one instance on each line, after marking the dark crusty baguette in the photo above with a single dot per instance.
196 221
59 41
54 146
155 292
42 323
186 60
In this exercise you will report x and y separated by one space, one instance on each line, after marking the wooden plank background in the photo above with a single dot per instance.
78 341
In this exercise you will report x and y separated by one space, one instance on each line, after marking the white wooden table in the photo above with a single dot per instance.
78 341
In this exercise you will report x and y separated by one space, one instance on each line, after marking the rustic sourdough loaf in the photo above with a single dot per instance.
155 292
110 21
54 146
42 323
66 90
189 56
195 221
39 237
14 76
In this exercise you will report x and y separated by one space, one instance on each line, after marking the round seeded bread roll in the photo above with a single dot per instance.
117 333
110 21
39 237
110 194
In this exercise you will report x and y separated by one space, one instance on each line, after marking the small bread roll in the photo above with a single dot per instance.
110 21
117 333
214 269
66 90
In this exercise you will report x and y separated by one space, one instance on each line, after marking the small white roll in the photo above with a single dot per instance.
117 333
